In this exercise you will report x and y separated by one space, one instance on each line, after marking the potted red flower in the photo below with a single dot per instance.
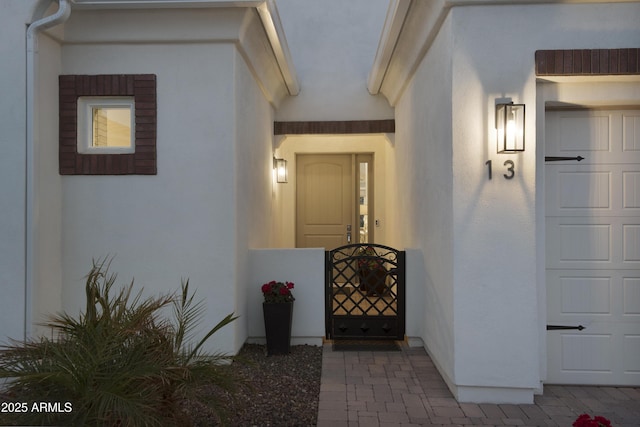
585 420
277 309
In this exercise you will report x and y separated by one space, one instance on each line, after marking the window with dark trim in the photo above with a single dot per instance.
140 87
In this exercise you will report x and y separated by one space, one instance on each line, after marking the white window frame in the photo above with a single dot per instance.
86 105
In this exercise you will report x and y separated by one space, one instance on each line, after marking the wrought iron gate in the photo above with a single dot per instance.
365 292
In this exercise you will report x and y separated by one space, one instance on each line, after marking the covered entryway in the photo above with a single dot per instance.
334 199
365 292
593 246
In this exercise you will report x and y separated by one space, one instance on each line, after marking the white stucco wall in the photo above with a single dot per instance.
199 215
181 222
303 267
253 185
492 286
477 243
424 206
14 15
488 347
46 296
333 44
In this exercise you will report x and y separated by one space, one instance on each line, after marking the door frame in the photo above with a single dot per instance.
559 91
357 158
283 195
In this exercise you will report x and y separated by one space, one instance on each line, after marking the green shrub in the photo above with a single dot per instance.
118 363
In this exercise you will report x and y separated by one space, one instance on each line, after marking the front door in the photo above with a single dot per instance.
333 199
593 246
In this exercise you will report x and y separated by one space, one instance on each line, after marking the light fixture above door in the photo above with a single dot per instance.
280 168
510 127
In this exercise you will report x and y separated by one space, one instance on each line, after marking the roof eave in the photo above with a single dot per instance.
266 10
394 21
142 4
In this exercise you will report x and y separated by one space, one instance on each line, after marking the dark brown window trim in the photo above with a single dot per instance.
142 87
334 127
580 62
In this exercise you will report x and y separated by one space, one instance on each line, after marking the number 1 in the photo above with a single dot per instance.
488 163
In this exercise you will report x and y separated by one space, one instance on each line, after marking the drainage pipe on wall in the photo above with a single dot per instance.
61 15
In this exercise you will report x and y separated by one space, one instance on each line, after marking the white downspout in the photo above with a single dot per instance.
61 15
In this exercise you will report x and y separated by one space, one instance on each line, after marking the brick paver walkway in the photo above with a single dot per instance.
405 389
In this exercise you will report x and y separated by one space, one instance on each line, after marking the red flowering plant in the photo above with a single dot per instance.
368 259
585 420
277 292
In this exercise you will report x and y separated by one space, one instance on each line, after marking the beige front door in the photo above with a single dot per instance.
331 207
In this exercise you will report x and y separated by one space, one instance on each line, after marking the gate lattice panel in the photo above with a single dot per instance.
365 292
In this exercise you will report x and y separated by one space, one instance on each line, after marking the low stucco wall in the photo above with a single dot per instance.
305 268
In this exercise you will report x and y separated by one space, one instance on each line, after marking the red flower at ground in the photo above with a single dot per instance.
603 421
585 420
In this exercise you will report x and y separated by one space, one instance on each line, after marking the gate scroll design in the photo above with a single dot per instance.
365 292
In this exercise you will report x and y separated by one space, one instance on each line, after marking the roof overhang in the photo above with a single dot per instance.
143 4
266 10
410 28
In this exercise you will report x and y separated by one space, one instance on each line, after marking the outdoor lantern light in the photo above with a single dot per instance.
510 127
280 166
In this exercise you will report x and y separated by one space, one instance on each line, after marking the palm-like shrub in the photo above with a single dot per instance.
118 363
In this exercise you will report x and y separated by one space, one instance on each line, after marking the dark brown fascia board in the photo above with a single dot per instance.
334 127
587 62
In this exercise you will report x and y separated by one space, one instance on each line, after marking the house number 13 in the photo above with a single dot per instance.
511 169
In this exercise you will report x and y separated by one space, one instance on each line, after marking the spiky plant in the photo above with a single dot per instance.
118 363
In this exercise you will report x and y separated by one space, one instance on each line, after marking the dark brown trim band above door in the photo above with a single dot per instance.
334 127
587 62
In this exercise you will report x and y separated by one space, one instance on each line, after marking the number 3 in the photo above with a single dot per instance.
511 169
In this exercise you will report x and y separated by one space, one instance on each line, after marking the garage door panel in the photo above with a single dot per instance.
593 242
631 354
587 352
631 296
593 247
585 295
631 131
599 136
578 242
583 133
576 296
585 190
585 242
631 243
631 191
596 355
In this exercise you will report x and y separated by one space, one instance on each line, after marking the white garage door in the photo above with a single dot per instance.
593 246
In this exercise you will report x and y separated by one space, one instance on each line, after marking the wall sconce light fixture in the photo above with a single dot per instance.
510 127
280 167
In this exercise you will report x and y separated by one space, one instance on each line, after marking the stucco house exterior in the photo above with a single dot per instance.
506 253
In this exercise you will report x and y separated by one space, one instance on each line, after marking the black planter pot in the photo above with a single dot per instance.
277 324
